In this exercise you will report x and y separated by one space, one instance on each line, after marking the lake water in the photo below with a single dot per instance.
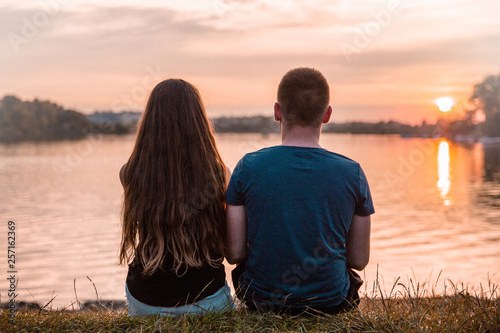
437 211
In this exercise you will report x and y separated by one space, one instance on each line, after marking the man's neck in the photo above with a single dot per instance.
300 136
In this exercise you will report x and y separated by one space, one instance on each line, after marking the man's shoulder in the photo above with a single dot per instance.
261 153
278 152
340 158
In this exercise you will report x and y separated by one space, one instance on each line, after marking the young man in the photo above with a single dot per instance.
298 216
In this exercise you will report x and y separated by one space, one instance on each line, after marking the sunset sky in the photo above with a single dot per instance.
384 59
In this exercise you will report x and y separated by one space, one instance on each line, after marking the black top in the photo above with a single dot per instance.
165 288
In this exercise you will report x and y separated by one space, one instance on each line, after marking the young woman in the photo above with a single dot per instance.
174 209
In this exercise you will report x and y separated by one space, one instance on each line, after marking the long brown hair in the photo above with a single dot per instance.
174 183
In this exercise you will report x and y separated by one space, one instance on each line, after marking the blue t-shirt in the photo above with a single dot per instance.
299 204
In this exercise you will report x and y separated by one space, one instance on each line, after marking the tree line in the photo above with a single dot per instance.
486 97
39 121
44 121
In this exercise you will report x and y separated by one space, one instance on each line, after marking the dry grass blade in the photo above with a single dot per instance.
403 309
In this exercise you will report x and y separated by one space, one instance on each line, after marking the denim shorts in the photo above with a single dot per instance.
220 301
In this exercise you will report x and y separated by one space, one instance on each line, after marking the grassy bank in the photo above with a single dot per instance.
403 309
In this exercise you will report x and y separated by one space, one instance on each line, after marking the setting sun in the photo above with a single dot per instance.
444 103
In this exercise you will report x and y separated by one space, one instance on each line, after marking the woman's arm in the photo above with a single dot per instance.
358 242
228 176
122 174
236 234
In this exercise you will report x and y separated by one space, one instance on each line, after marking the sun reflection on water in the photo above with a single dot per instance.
444 182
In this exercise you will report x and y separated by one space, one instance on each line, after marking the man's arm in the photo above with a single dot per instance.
236 234
358 242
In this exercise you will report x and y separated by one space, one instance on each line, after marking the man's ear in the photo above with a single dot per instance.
328 114
278 114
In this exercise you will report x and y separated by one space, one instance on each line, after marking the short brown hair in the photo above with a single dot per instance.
304 96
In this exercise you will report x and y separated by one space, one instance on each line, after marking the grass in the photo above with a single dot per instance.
411 307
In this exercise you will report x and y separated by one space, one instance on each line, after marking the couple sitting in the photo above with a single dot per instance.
294 217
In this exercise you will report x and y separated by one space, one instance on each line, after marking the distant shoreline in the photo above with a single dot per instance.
87 305
37 120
